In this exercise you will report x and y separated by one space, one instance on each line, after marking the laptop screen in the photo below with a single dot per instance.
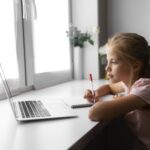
6 88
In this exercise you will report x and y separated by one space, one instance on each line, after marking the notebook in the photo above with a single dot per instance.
27 110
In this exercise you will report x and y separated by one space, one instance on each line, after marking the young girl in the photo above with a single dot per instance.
128 67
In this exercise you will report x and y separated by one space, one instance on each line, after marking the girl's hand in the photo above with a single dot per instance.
90 97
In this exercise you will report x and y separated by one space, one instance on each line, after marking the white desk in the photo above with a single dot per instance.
49 134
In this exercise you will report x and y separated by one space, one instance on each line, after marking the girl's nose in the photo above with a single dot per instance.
107 68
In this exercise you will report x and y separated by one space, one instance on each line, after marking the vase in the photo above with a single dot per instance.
78 63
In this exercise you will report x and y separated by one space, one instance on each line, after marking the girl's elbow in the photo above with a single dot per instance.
99 115
94 116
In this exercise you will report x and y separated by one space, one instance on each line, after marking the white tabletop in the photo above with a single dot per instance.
58 134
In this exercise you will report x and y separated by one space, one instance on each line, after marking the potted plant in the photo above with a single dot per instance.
78 39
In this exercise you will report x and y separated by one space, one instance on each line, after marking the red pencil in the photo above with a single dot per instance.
91 79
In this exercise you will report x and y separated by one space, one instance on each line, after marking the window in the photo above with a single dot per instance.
51 45
37 52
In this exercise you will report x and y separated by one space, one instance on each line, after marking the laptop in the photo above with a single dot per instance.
28 110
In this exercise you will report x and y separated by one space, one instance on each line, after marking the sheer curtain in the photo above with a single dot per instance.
11 51
8 57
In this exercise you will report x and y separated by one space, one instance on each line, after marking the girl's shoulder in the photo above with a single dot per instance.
141 82
141 88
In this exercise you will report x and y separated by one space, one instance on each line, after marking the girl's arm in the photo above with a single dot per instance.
104 90
110 89
108 110
116 88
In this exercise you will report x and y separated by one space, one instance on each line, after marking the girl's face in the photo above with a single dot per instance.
117 68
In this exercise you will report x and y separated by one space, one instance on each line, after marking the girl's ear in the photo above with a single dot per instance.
137 66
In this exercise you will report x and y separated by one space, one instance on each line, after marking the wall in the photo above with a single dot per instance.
128 16
112 16
85 17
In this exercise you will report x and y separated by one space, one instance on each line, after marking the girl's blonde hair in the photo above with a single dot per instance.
132 47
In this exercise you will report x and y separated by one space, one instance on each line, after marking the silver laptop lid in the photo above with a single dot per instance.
7 89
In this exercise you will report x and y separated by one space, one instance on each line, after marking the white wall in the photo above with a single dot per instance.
85 17
117 15
128 16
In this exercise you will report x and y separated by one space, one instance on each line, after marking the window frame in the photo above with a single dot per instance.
25 57
45 79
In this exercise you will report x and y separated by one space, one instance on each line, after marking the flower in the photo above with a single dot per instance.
78 38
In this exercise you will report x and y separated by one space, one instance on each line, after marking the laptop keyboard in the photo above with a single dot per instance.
33 109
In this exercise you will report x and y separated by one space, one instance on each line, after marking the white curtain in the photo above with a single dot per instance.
29 9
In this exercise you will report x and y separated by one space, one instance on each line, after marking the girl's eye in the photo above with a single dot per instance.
113 61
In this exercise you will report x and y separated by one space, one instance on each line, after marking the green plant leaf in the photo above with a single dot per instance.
91 41
80 38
